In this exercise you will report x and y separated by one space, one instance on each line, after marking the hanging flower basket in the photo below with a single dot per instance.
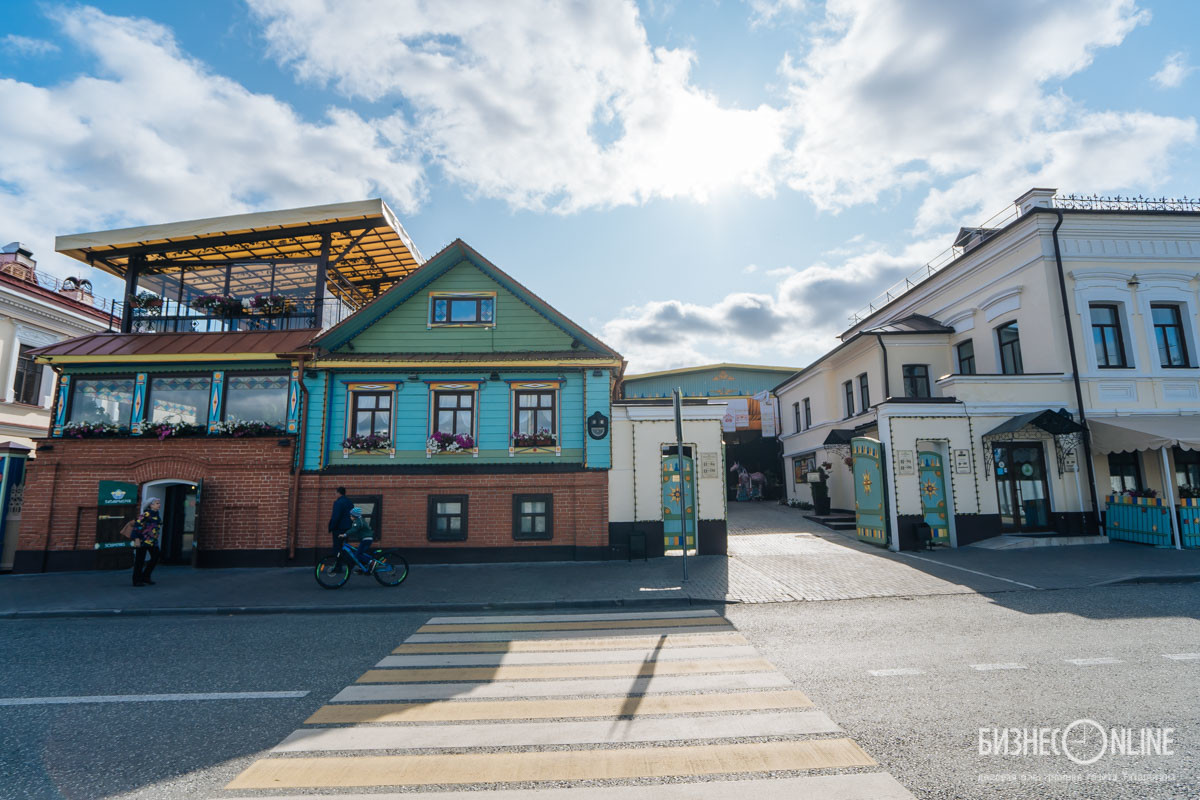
220 304
272 305
147 304
449 443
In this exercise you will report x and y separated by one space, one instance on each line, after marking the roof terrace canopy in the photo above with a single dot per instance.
365 248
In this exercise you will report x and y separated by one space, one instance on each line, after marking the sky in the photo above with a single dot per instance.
693 182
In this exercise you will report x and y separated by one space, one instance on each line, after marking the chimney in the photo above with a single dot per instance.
1035 198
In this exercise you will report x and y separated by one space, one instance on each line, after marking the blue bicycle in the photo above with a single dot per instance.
389 567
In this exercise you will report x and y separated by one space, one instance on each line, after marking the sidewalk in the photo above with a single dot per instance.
775 555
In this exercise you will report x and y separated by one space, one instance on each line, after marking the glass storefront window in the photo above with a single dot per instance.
256 398
182 399
101 400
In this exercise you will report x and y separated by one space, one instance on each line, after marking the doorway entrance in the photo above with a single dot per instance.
1021 487
180 506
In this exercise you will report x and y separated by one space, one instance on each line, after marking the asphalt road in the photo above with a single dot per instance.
920 718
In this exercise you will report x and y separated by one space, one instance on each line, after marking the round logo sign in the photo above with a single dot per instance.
1027 470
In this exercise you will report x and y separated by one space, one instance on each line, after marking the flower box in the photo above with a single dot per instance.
1131 500
440 443
371 444
272 305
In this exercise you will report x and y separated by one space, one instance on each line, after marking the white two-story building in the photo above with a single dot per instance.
1033 382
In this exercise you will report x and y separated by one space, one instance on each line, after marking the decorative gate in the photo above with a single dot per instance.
870 493
678 501
931 476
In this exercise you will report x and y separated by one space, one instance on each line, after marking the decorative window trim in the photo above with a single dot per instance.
67 387
447 386
430 322
348 426
430 517
534 386
542 497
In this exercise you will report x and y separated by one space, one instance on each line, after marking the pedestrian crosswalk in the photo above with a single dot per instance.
628 706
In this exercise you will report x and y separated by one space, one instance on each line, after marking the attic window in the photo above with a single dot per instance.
462 309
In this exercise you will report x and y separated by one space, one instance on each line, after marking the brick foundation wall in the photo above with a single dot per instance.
580 510
247 484
244 503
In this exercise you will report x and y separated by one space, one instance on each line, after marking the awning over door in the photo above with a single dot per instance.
1056 423
1145 432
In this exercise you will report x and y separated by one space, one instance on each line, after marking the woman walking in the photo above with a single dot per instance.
146 530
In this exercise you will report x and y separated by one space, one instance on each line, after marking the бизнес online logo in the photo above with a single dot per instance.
1084 741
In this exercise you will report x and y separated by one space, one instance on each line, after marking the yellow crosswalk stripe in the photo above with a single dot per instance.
716 638
650 705
571 765
705 622
519 672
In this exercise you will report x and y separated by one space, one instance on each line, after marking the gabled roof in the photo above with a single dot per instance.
141 347
446 259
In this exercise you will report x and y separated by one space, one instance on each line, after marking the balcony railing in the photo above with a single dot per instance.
175 317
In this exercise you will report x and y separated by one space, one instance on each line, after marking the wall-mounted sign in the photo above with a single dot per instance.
708 465
906 462
117 493
1070 462
962 462
597 426
728 423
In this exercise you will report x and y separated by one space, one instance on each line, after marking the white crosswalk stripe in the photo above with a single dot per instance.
701 734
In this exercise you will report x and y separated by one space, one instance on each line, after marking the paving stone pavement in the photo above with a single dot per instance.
810 562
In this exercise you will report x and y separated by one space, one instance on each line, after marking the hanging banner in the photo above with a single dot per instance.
739 407
767 411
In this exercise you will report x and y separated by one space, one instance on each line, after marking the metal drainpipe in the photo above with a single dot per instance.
298 467
1087 439
887 392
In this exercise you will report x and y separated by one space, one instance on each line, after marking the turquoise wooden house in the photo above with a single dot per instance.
466 415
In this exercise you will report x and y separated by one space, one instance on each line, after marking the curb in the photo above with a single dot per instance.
516 605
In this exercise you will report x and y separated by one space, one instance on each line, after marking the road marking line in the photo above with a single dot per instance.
1182 656
537 734
1087 662
853 786
600 643
575 657
574 617
887 673
609 686
531 672
972 571
987 667
570 765
512 636
581 625
148 698
636 706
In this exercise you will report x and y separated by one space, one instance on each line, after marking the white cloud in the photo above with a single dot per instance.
1175 70
26 46
897 95
797 322
153 136
545 105
764 12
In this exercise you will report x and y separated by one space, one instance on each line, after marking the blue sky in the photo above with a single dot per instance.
693 181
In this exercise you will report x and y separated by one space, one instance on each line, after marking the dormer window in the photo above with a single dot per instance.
462 309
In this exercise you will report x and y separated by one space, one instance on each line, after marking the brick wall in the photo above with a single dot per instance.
246 490
580 507
244 504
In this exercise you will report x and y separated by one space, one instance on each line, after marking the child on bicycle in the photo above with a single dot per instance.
360 530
